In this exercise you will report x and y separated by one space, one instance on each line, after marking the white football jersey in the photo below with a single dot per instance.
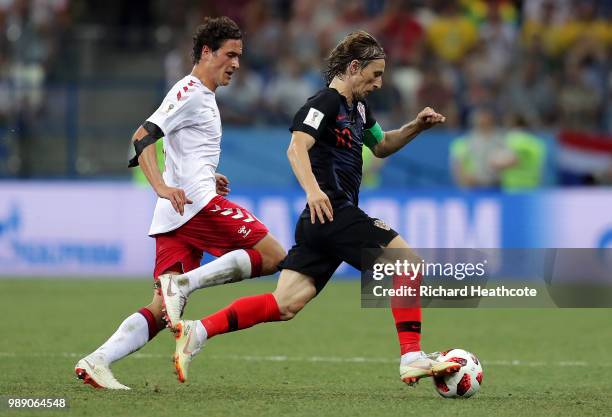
190 120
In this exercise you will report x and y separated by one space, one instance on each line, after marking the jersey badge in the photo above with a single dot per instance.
167 109
382 225
314 118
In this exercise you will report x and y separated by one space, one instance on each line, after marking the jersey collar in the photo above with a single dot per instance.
199 83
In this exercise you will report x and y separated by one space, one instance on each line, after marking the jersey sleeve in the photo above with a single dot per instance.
176 112
319 111
373 133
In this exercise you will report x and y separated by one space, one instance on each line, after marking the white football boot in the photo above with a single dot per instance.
187 346
417 365
173 299
95 372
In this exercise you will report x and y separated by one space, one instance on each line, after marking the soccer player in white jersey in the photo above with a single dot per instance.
191 216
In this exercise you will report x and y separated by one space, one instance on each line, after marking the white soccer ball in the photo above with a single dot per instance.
466 382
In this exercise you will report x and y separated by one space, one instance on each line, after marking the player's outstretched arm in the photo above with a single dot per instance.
148 163
318 201
394 140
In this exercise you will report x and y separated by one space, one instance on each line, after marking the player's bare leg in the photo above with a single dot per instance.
133 333
293 292
414 363
272 253
234 266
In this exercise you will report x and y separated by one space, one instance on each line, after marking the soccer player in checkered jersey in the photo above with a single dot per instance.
329 132
191 216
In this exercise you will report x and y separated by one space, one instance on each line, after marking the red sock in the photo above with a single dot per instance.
407 315
255 257
154 327
242 314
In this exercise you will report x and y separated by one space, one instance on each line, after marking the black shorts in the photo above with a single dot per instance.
320 248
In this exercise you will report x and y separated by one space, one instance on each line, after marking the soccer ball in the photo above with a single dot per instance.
466 382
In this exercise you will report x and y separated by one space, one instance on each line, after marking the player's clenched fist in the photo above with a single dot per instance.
428 118
320 206
176 196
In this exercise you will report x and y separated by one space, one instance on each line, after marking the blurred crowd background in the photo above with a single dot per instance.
525 85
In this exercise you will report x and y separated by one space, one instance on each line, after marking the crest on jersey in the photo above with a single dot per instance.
361 110
382 225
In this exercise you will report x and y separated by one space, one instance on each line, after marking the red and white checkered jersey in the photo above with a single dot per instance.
190 120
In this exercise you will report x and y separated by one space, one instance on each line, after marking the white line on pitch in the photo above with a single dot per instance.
325 359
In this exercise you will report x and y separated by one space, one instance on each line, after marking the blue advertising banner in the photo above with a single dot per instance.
100 228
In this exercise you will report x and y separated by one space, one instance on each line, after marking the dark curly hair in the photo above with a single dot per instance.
212 33
358 45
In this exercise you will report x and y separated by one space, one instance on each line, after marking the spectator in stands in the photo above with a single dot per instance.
585 24
287 91
551 11
591 57
177 62
400 31
478 69
477 95
497 38
522 168
456 56
579 102
28 50
241 101
387 101
480 11
530 93
543 22
451 34
265 31
436 92
303 33
478 157
349 17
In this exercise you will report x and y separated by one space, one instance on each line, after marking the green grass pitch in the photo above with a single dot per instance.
334 359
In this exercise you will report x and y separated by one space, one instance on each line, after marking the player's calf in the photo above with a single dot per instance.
293 292
290 308
243 313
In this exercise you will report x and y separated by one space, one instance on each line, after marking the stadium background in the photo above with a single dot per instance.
78 77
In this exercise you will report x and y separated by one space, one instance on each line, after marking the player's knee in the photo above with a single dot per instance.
155 307
271 258
277 258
